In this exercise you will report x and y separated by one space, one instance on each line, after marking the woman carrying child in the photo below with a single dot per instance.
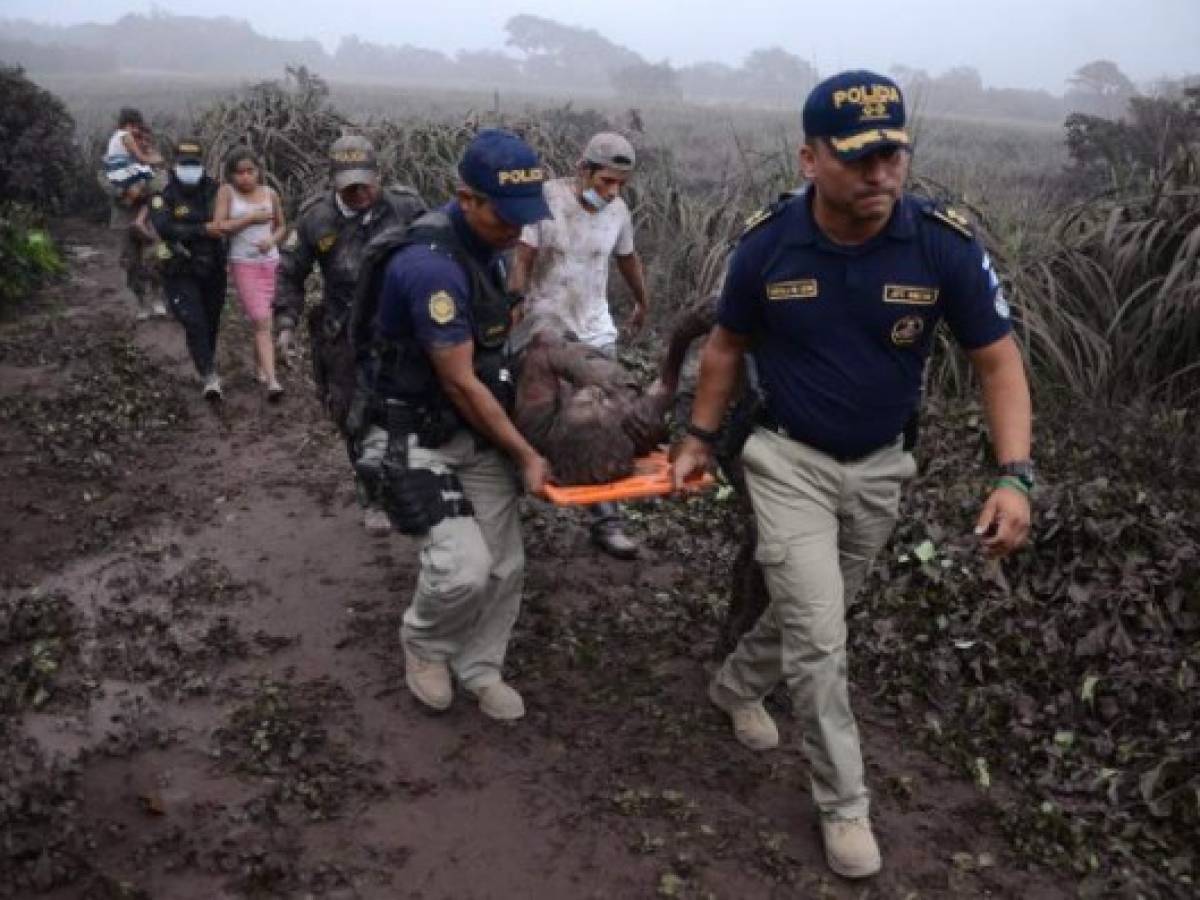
251 214
128 164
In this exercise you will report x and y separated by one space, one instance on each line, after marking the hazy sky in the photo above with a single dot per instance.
1013 43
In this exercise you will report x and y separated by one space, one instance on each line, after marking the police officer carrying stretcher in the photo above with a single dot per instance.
836 293
332 231
430 326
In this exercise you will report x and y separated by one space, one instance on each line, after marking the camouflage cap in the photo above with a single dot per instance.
352 160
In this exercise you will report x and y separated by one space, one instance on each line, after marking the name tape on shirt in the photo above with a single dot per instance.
908 293
803 289
441 307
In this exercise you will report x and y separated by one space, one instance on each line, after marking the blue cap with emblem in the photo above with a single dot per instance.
859 112
506 170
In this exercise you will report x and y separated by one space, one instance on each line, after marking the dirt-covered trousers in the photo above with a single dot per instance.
820 522
472 567
197 300
333 366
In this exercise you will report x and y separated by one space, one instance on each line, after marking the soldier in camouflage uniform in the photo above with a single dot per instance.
332 231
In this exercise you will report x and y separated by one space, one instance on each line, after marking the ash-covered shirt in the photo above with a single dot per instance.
570 275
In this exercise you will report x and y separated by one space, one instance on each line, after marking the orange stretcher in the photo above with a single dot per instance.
651 478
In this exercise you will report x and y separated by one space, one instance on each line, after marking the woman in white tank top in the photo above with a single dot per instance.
251 214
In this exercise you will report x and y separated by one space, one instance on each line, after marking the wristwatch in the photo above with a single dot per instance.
706 436
1019 474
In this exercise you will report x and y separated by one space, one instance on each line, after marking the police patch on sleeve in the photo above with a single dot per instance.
1003 310
157 202
326 241
998 299
441 307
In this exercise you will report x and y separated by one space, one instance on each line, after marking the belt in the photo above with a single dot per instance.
769 422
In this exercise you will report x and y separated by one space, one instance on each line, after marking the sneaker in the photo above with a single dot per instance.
500 701
752 724
260 376
376 521
610 537
212 388
850 847
158 308
274 391
428 680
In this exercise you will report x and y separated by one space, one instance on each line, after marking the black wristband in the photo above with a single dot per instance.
703 434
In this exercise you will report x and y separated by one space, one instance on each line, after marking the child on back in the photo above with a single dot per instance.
128 162
252 215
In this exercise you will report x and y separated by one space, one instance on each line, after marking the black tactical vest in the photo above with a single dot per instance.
399 368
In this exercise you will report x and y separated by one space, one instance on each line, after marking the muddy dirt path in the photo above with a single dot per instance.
204 694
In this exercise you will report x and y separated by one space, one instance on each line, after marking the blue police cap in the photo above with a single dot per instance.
859 112
506 170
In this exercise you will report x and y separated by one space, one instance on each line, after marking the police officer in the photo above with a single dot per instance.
439 357
332 231
836 293
194 271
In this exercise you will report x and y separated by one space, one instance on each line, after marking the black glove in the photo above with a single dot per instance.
412 498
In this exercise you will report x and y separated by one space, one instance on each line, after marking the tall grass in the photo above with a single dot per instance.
1105 291
1111 308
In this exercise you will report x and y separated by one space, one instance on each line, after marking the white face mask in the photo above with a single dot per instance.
344 209
189 174
593 201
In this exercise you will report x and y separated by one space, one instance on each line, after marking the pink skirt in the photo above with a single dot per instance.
255 283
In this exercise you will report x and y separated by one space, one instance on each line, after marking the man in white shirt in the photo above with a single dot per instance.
561 267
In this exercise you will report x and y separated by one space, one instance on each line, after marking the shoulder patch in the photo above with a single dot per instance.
325 241
403 192
441 307
766 214
311 202
951 218
156 202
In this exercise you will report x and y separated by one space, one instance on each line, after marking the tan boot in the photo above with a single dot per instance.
428 680
752 724
500 701
850 847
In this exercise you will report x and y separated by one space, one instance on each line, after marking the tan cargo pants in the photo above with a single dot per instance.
820 525
468 591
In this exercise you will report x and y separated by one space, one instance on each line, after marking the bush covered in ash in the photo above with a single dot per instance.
39 163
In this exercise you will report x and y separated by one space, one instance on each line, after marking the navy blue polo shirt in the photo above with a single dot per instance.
426 295
840 335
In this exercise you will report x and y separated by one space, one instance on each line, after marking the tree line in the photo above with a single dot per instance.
541 55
